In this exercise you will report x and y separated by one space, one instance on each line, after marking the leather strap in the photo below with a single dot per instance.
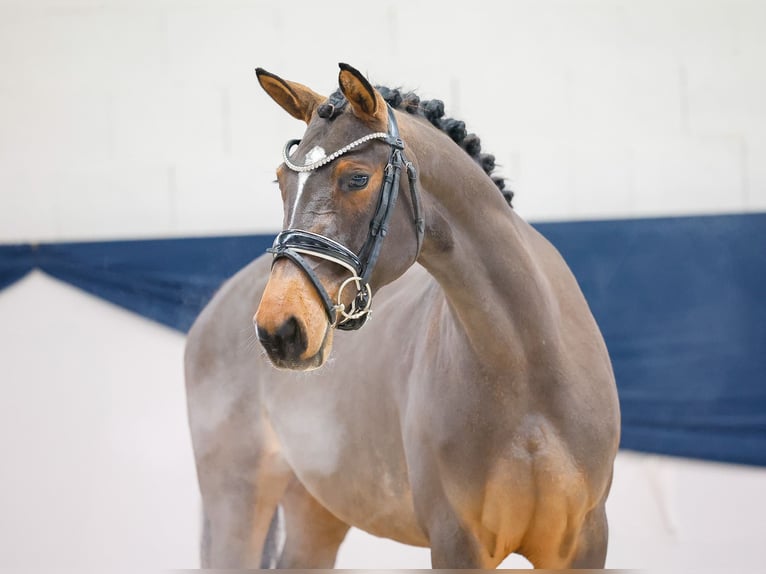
329 307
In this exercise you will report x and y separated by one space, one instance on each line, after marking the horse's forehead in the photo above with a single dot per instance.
334 134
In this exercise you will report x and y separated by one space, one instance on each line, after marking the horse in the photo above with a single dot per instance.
476 414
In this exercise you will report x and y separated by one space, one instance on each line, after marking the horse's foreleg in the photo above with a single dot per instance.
453 543
242 478
312 534
592 542
455 546
577 545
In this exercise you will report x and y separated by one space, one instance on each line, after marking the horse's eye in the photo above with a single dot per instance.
358 181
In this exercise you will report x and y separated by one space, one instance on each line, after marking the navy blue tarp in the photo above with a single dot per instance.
681 303
168 280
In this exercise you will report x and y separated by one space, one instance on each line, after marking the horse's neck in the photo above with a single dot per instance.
483 256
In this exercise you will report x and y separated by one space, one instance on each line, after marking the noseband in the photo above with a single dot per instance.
294 243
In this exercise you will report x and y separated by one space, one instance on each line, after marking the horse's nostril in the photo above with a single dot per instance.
288 330
288 341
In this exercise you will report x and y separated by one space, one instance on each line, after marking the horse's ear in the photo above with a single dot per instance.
366 102
296 99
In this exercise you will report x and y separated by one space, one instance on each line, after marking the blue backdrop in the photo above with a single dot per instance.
680 302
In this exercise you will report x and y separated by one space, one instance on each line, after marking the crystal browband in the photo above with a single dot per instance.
333 156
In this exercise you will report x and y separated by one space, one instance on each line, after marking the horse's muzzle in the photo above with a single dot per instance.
287 341
287 344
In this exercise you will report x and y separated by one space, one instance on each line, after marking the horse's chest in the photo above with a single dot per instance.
348 453
311 438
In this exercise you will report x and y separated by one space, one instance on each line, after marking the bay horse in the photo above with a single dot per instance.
476 414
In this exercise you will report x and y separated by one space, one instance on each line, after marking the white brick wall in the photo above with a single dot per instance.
144 118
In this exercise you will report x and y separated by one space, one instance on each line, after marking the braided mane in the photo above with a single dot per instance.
433 111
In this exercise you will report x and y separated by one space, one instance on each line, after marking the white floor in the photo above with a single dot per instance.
96 469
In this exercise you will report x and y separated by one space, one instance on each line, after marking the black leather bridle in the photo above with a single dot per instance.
294 243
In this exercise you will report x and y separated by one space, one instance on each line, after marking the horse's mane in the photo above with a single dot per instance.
433 111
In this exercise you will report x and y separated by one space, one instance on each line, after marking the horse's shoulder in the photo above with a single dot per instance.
225 324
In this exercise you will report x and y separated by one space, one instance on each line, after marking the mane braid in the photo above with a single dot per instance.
433 111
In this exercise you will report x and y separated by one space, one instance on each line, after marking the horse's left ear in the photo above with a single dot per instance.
366 102
296 99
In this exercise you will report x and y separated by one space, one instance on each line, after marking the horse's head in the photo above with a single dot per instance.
339 186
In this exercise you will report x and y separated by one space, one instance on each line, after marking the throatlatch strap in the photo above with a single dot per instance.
379 223
420 224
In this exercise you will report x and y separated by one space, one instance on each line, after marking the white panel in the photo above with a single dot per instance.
97 466
44 129
702 175
593 108
113 201
26 210
89 46
603 185
726 71
671 514
259 128
544 190
756 173
223 42
231 197
728 96
169 122
98 201
624 99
